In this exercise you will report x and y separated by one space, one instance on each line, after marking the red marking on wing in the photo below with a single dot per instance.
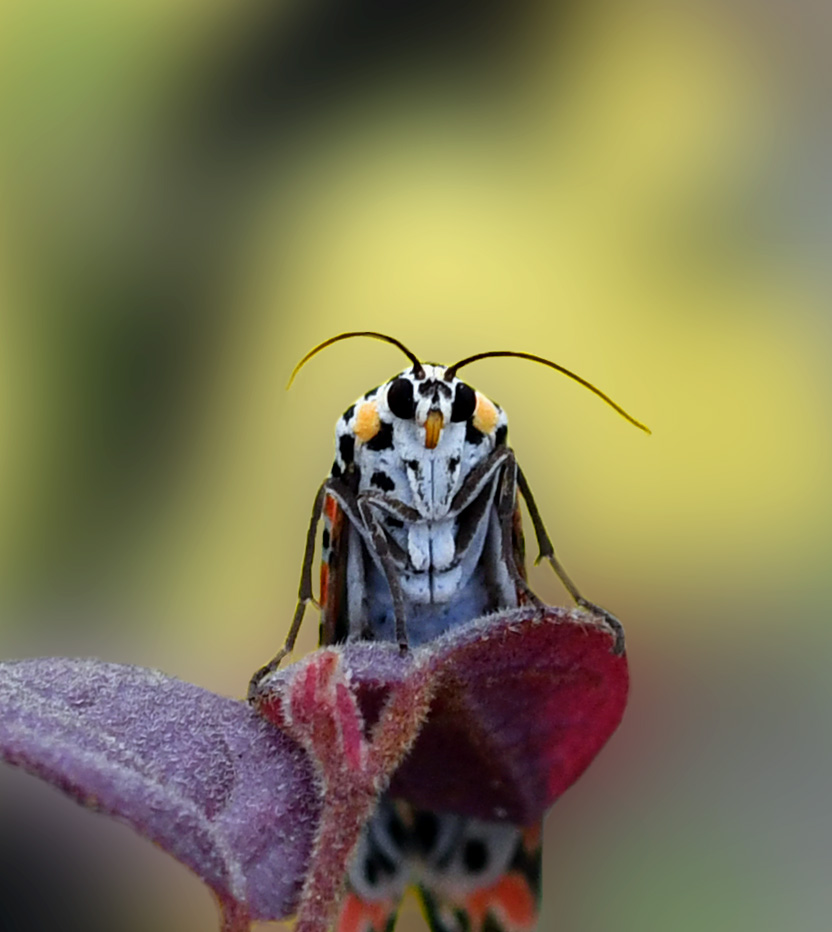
332 569
331 508
358 915
511 900
324 582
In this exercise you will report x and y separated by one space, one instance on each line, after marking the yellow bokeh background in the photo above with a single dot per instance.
612 199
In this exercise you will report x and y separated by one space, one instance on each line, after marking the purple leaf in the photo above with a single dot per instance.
499 717
522 703
203 776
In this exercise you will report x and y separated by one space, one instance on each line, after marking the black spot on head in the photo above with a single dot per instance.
413 465
383 440
465 400
335 472
434 388
400 398
382 481
472 435
372 393
500 435
346 447
348 413
453 464
426 831
325 538
475 855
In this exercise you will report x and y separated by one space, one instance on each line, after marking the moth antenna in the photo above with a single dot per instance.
451 371
418 370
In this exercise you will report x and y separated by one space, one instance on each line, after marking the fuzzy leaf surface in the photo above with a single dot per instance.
201 775
522 703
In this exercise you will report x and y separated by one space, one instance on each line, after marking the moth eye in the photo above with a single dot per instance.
465 400
400 398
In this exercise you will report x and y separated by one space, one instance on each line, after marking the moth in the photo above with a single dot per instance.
470 875
422 532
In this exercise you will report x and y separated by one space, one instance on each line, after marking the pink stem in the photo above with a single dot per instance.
350 795
234 916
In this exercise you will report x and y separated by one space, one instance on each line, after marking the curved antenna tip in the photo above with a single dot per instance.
372 334
452 370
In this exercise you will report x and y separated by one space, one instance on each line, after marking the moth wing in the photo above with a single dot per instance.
360 915
490 883
518 541
378 875
333 573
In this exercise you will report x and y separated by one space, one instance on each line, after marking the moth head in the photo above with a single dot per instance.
432 398
431 403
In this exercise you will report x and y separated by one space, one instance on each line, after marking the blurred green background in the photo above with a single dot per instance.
194 194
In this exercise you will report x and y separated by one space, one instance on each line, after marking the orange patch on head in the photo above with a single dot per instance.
485 415
367 421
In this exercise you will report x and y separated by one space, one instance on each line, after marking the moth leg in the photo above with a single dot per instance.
381 547
304 591
506 503
547 552
478 478
393 506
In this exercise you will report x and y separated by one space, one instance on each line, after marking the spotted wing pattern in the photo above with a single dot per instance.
471 875
471 898
358 915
